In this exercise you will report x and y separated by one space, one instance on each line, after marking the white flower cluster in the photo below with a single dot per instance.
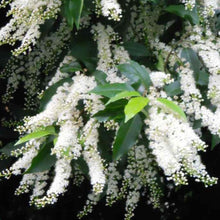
211 59
35 180
207 49
192 102
113 177
105 37
191 97
61 75
92 200
209 7
50 114
39 185
67 143
159 79
29 69
109 8
175 145
139 175
73 139
59 185
91 155
24 162
27 181
27 16
189 4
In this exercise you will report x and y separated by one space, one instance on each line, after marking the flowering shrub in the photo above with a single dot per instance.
120 93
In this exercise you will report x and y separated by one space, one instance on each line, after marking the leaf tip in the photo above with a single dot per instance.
17 143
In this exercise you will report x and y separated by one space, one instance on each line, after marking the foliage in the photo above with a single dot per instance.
123 94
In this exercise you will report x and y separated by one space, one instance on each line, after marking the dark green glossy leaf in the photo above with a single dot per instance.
71 67
78 6
84 49
126 136
136 49
197 124
72 12
88 8
136 72
114 111
201 76
100 77
173 88
179 10
47 95
121 95
47 27
43 161
215 141
110 90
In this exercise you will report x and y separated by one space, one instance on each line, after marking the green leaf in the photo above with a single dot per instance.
72 12
71 67
84 49
55 140
78 6
126 136
197 124
215 141
174 107
37 134
173 89
47 95
110 90
122 95
136 49
134 106
43 161
88 8
135 72
179 10
113 111
46 27
201 76
83 166
100 77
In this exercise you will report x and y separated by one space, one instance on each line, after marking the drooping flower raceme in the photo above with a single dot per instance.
108 58
29 69
109 8
27 16
86 129
175 145
58 186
